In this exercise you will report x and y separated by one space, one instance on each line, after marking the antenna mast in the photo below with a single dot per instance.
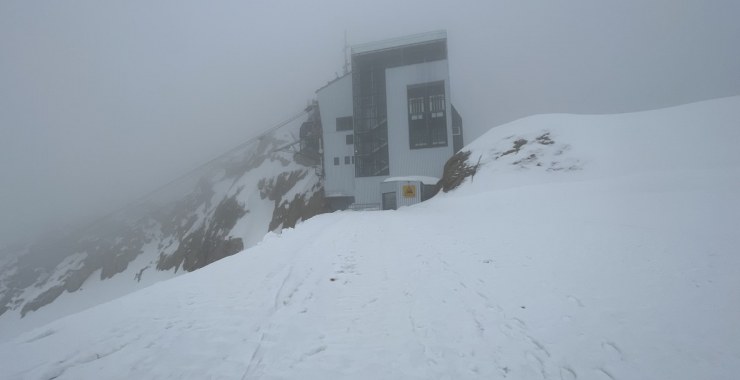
346 55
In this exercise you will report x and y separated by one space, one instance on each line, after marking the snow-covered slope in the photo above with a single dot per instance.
602 247
214 212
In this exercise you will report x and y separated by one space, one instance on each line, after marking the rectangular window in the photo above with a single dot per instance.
336 160
427 115
437 105
346 160
350 139
353 160
344 123
416 108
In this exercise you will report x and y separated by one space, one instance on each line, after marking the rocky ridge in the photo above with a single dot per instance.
232 203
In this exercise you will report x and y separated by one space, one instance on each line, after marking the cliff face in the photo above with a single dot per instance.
230 206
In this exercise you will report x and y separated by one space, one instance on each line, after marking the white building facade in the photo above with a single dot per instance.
402 122
335 108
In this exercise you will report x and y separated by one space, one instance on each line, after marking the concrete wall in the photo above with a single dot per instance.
335 100
367 190
403 160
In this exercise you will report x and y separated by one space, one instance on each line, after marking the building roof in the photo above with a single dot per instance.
399 41
414 178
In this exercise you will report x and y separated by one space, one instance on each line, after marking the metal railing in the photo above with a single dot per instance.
364 206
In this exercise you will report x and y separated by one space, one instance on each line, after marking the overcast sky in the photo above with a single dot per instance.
101 101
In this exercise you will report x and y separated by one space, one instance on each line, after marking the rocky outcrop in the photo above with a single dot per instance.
288 212
275 188
208 243
457 168
108 247
185 233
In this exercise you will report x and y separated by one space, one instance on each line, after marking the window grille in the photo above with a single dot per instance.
427 115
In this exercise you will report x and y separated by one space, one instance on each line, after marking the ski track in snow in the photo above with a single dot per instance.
356 299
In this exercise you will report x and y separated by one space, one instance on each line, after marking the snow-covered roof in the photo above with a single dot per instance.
399 41
336 194
414 178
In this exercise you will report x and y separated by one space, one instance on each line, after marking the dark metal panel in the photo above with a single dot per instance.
389 201
457 130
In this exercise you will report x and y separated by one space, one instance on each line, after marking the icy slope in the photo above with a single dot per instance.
614 267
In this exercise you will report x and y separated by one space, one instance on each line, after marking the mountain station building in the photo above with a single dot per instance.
388 120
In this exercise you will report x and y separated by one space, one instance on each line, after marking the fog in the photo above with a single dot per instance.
101 101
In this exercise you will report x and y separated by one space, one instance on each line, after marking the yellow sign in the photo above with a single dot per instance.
409 191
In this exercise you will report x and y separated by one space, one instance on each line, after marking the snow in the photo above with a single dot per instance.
615 258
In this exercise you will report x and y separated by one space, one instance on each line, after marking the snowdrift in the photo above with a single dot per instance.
591 247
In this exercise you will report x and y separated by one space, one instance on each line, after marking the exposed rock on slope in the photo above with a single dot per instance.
289 211
527 151
457 168
210 242
232 203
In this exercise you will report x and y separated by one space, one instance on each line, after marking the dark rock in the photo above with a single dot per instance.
210 242
457 168
275 188
43 299
287 214
518 144
545 139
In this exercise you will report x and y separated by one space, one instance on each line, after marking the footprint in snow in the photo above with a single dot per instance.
567 373
604 374
613 351
576 301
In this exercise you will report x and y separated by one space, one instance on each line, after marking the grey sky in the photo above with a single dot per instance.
101 101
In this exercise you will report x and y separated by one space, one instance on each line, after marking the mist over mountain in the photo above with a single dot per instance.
213 212
538 189
102 102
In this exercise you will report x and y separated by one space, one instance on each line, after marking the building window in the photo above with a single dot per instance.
346 160
344 123
427 115
336 160
353 160
416 108
350 139
437 105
